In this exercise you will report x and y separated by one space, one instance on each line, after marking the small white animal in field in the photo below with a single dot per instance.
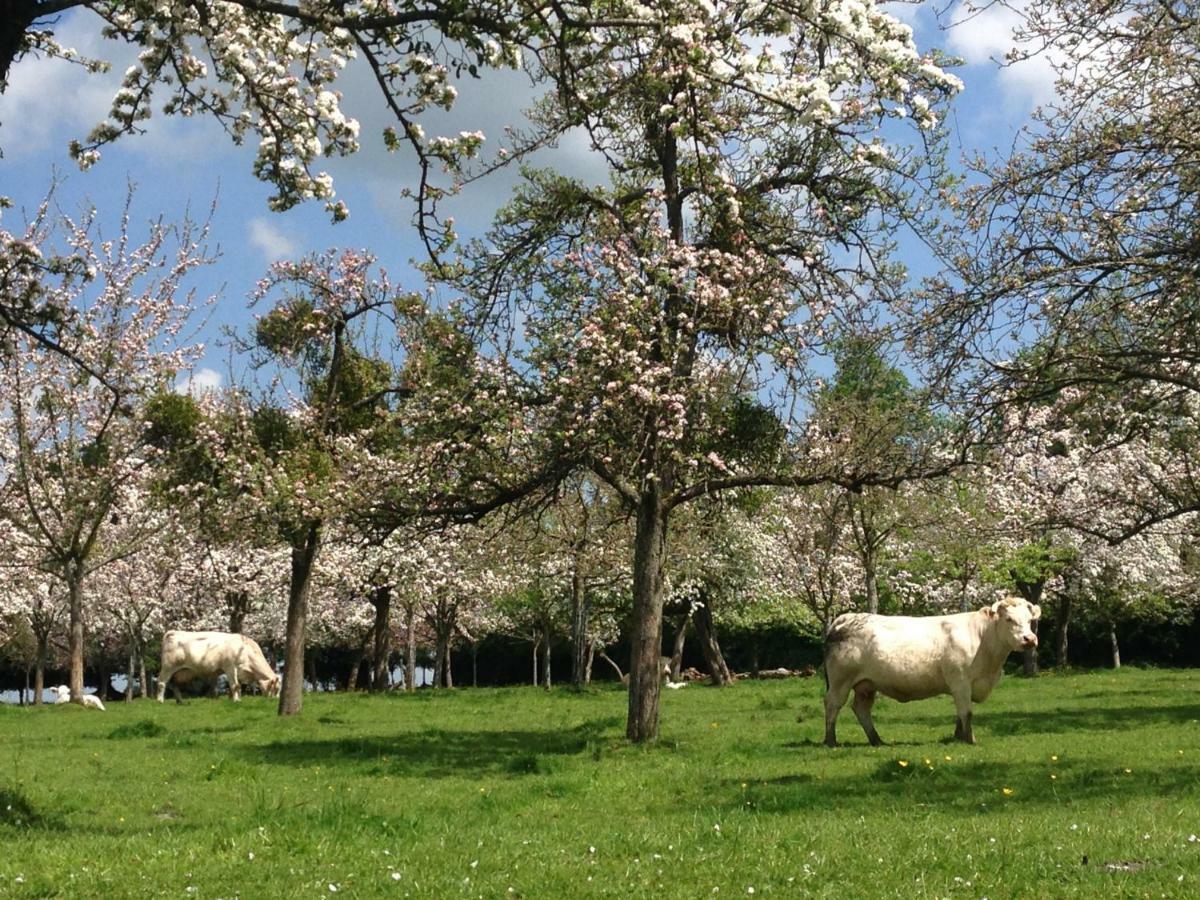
675 685
62 694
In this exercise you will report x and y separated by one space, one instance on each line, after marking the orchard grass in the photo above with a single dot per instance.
1082 785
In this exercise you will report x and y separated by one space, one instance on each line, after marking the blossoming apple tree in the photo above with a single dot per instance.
1078 265
72 440
660 328
334 390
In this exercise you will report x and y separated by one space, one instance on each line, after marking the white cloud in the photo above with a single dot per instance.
985 36
49 102
198 382
907 11
273 243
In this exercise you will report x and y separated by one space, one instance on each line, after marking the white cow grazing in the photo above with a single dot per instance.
190 654
914 657
62 694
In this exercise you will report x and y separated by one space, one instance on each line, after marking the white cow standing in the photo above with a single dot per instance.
191 654
915 657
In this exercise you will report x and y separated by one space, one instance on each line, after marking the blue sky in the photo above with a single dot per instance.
188 164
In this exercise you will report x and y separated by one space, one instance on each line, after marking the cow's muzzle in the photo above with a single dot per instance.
1030 640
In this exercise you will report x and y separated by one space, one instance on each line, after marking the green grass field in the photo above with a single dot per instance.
1083 785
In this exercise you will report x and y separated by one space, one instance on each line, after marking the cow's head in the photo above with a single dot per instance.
1014 618
269 686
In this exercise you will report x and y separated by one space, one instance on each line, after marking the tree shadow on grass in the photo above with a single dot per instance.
854 741
909 782
1058 719
442 753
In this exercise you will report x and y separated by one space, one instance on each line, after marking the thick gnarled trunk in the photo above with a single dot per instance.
238 603
645 653
706 635
381 599
304 555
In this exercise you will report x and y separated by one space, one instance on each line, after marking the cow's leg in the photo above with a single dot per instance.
864 699
235 689
164 678
962 716
835 699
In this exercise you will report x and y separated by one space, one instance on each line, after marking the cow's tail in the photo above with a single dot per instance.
825 655
837 631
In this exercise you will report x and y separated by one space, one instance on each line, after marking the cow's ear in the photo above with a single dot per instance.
989 611
1036 610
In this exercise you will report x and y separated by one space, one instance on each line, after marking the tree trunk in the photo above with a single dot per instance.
645 675
714 660
1116 648
356 668
535 641
546 662
448 677
1061 660
311 662
591 657
677 650
410 650
15 17
130 675
291 695
25 692
74 573
1029 657
239 604
475 664
438 653
104 677
382 600
39 671
1031 591
143 684
871 579
580 612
